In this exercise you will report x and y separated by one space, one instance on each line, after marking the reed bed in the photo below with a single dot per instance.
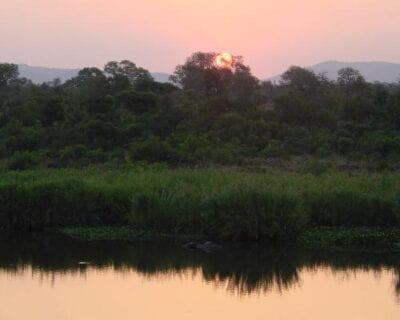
225 203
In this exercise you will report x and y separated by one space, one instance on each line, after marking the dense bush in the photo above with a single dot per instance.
60 203
210 115
22 160
250 213
153 150
226 203
351 208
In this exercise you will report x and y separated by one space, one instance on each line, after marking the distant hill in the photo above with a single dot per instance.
161 76
43 74
372 71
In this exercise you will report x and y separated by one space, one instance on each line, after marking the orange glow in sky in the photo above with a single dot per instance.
160 34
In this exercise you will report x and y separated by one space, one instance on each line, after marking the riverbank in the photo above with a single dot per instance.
333 239
230 204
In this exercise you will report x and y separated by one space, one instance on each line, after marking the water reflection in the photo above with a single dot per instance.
242 270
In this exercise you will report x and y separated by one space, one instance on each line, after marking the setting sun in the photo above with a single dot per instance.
224 60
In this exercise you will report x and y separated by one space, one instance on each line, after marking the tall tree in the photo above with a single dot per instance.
349 77
301 80
8 73
202 75
128 69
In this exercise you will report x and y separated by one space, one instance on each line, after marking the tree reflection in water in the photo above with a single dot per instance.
243 269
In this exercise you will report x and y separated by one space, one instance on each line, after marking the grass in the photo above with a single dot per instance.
353 238
123 234
322 238
219 203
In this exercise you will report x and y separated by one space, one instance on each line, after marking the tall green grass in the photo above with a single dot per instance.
228 203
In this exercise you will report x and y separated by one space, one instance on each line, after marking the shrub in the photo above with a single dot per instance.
23 160
225 203
254 214
152 150
61 204
275 149
345 144
315 166
72 154
351 208
168 211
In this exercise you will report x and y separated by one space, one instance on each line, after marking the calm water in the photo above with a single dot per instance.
41 279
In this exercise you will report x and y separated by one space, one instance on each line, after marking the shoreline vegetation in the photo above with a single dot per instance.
323 238
331 210
216 153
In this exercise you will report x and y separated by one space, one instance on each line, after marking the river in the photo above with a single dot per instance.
47 277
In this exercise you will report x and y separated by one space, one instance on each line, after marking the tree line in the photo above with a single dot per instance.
206 115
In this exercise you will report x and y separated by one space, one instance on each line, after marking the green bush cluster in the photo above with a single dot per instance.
351 208
23 160
351 238
240 213
208 116
62 202
227 203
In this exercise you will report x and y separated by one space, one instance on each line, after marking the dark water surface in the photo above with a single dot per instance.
41 278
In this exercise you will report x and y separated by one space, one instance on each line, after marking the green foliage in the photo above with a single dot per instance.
124 234
23 160
152 150
127 69
275 149
351 208
345 144
8 73
315 166
137 102
351 238
230 204
65 202
248 213
379 143
215 115
73 153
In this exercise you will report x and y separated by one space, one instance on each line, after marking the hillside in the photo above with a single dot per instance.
43 74
372 71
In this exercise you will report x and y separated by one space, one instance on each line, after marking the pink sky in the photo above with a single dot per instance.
159 34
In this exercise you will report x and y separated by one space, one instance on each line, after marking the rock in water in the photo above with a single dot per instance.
190 245
207 246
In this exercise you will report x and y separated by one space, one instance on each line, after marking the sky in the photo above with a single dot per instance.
271 35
